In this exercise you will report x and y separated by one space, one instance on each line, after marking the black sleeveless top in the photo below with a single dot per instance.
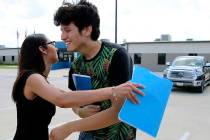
33 116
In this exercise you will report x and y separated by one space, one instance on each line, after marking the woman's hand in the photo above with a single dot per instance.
59 133
127 90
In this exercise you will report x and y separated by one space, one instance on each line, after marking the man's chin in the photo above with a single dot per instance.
70 49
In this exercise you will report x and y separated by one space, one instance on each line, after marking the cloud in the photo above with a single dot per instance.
26 16
28 11
138 20
23 8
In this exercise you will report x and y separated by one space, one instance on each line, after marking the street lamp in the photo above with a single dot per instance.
115 21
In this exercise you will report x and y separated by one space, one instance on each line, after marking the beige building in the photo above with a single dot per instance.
9 55
154 55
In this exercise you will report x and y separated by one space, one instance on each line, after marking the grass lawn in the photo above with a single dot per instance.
4 66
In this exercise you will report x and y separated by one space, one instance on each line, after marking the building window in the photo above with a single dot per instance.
137 58
63 56
192 54
13 58
161 59
4 58
66 56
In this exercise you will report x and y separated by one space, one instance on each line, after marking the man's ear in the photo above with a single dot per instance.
43 50
87 31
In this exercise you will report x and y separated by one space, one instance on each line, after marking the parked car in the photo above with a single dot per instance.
189 71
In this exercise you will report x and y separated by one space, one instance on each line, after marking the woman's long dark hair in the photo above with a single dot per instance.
30 58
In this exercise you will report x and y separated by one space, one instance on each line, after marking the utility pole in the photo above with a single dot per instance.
18 36
63 2
115 21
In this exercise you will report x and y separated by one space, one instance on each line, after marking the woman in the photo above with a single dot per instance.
36 99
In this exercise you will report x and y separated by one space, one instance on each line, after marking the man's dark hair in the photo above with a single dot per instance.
82 14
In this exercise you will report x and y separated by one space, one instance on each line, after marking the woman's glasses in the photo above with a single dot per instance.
51 42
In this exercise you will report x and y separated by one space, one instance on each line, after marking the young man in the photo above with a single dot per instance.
108 64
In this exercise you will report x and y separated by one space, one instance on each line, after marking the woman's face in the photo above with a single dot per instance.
52 56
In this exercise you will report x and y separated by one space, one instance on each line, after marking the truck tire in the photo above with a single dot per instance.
201 88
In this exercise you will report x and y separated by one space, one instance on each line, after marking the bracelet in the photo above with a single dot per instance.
114 96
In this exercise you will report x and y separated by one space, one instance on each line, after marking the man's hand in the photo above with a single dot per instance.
88 110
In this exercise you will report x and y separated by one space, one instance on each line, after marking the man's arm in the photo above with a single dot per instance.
87 110
72 87
70 80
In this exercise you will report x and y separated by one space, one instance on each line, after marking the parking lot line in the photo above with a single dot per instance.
185 136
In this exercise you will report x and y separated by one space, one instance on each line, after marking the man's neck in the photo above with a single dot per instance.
91 49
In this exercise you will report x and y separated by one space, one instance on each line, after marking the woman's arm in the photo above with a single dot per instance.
97 121
37 85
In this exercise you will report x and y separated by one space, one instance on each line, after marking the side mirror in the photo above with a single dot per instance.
168 63
207 65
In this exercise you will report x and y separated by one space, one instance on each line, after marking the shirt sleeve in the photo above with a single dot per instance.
121 67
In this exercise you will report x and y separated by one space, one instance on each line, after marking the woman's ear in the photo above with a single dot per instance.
43 50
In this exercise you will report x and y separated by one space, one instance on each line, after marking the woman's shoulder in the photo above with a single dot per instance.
28 73
35 81
30 76
35 76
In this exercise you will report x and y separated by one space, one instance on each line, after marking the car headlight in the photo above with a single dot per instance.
165 72
198 72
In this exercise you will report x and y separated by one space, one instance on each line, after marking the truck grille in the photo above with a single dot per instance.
181 74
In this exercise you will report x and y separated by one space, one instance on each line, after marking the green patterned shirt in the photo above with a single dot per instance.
111 66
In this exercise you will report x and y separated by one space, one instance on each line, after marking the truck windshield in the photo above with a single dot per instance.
188 62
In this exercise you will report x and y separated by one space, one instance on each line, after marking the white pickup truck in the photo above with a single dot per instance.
189 71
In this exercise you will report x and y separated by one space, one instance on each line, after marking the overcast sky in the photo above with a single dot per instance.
138 20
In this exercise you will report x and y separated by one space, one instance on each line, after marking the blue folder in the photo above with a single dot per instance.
147 115
82 82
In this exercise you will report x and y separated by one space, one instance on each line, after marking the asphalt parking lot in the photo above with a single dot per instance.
186 116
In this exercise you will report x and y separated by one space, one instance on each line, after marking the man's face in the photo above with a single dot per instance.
72 37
